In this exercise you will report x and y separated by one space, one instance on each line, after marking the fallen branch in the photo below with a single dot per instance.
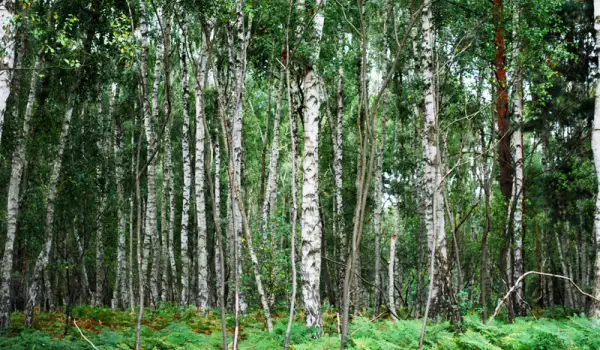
541 274
84 337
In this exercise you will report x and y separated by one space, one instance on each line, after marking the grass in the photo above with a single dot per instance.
169 327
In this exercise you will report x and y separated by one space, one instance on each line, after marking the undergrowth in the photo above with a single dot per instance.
172 328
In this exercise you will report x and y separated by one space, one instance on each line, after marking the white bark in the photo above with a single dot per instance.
44 255
18 163
239 68
565 270
311 223
596 152
390 289
99 290
187 177
517 192
152 228
217 209
7 58
337 169
378 208
432 187
201 253
271 190
120 291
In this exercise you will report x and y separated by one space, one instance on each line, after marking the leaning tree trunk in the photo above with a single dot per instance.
187 178
596 152
7 57
311 223
42 260
201 252
18 163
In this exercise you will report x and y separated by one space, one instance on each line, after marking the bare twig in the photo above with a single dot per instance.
84 337
541 274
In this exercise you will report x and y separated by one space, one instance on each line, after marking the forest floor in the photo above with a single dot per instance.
173 328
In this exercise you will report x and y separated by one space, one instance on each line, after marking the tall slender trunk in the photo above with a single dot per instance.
293 183
187 176
201 253
391 271
167 241
130 270
166 218
339 222
100 275
7 57
85 284
311 225
42 260
271 188
596 152
378 208
565 269
120 291
219 273
18 163
501 88
432 178
152 223
517 192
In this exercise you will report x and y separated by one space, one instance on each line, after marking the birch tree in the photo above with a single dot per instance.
42 259
7 47
201 252
517 191
311 224
596 152
120 291
187 175
19 161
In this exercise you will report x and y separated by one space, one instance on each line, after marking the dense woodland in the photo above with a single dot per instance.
390 159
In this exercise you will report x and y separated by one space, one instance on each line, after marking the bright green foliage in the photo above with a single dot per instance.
172 328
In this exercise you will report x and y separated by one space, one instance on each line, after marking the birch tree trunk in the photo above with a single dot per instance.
100 275
167 200
217 216
7 58
565 270
338 172
271 189
432 187
236 149
391 274
165 216
378 208
42 259
18 163
311 224
596 152
201 253
120 291
152 228
517 191
187 177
